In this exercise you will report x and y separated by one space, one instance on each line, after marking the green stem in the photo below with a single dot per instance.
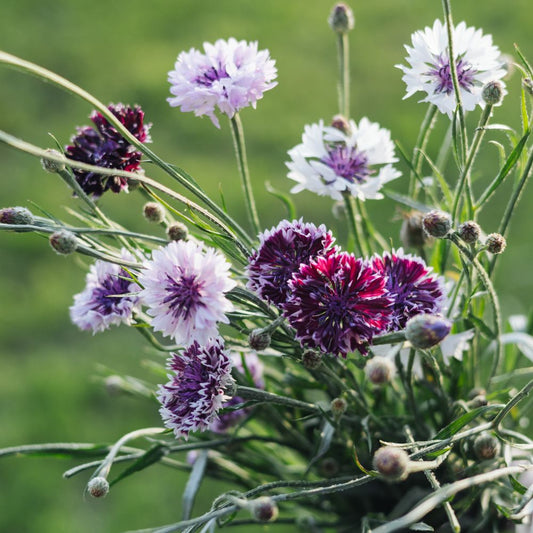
344 74
353 219
498 419
249 393
240 152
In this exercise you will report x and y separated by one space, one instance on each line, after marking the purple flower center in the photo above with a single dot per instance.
106 295
348 162
184 295
442 71
208 77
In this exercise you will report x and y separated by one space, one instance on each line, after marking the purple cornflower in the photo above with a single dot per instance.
230 75
337 304
105 147
411 285
109 297
184 288
254 369
281 251
191 399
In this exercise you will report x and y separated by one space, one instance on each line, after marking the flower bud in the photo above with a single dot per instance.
52 166
412 233
311 359
16 215
486 446
259 340
469 232
527 84
495 243
98 487
63 242
153 212
392 463
264 509
424 331
437 224
177 232
379 370
492 93
341 19
338 407
341 123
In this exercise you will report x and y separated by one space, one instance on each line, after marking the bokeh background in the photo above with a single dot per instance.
121 51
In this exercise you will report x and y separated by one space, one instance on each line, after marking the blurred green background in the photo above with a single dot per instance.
121 51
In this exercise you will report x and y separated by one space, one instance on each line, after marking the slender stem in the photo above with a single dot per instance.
389 338
353 219
240 152
465 173
250 393
511 403
343 52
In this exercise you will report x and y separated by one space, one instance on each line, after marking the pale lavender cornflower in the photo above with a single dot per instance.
330 161
254 370
184 289
230 75
110 297
191 399
477 62
281 251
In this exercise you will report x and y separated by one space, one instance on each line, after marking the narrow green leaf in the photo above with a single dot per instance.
477 323
285 199
440 179
523 106
451 429
524 61
517 486
193 484
421 526
406 200
151 456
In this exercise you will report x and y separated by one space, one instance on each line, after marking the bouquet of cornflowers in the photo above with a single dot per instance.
351 386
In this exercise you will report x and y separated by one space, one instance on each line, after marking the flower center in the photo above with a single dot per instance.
183 295
209 76
106 295
348 163
443 75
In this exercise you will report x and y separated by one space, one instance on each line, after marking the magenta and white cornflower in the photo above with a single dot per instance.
412 286
337 304
331 162
184 289
281 251
110 297
228 76
192 398
477 62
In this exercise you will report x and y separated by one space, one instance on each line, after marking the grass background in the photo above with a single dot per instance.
121 50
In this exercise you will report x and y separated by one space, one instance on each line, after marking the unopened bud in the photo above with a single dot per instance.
527 84
338 407
63 242
52 166
341 19
437 223
486 447
469 232
495 243
153 212
341 123
392 463
98 487
264 509
311 359
424 331
177 232
259 340
412 233
379 370
16 215
492 93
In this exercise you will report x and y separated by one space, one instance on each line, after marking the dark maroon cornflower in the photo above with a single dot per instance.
281 252
337 304
105 147
191 399
412 286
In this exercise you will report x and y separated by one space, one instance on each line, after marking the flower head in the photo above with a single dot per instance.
254 369
281 251
191 399
330 161
477 62
109 297
105 147
230 75
184 288
411 285
337 304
